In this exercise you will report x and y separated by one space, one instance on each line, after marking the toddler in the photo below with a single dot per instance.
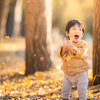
74 60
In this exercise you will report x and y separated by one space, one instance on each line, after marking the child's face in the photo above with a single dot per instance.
75 33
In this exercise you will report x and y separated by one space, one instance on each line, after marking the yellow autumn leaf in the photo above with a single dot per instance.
11 74
7 81
44 78
24 80
47 92
60 2
33 88
31 93
29 77
7 37
76 92
35 93
47 49
55 96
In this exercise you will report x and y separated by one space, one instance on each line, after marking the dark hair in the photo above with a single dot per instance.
72 23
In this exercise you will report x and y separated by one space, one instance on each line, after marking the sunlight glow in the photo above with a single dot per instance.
18 11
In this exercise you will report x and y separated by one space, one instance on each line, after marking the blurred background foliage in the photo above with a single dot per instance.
65 10
62 12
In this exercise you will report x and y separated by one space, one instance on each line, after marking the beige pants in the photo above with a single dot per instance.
80 80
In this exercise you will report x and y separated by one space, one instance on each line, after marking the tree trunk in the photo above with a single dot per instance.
96 41
49 26
36 34
2 5
17 18
4 18
10 19
2 2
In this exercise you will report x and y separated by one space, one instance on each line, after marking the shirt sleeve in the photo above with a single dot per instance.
59 50
81 51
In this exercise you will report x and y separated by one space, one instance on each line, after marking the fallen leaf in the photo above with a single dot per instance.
7 37
61 2
42 58
47 49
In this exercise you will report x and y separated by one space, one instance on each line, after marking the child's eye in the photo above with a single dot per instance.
80 29
74 29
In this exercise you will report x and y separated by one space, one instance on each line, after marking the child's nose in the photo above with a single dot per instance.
77 30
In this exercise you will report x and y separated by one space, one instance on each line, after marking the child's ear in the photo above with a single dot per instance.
82 34
67 33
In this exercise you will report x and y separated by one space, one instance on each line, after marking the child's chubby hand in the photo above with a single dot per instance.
70 45
65 43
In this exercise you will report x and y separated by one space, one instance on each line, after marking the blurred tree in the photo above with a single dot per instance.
2 2
4 6
23 19
37 26
10 18
96 41
17 18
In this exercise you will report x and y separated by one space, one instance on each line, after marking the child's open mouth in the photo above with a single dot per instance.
76 36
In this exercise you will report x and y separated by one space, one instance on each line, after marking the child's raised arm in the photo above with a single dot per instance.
64 47
61 52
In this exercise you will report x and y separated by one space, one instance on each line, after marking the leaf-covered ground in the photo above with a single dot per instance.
43 85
